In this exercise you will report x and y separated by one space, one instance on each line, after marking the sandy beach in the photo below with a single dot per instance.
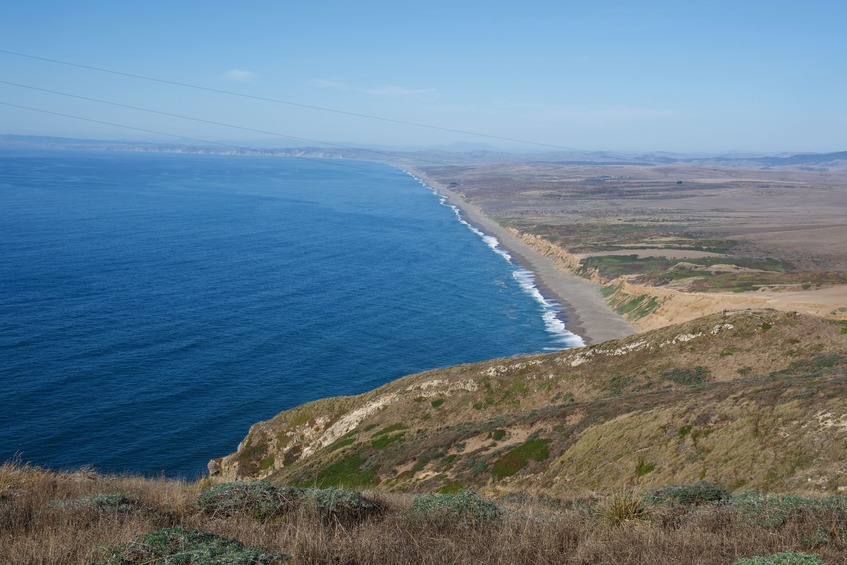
585 312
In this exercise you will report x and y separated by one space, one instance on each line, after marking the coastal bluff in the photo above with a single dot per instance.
746 398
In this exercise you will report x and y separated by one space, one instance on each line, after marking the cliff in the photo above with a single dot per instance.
743 398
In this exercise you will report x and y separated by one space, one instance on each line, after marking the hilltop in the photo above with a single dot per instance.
744 399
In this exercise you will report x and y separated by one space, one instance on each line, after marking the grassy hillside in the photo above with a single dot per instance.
746 399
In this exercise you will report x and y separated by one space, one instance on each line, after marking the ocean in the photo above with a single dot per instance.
154 306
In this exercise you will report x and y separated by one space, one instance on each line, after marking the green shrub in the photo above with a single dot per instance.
784 558
258 499
465 505
343 506
102 503
700 492
437 402
195 547
772 509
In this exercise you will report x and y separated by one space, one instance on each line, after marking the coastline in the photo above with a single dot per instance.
583 308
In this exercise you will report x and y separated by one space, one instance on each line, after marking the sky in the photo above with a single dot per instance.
677 76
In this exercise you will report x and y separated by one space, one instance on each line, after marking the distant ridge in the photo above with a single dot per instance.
452 154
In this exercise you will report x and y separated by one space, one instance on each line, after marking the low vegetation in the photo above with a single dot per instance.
752 399
84 517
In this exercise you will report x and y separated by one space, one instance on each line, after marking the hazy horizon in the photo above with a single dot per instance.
660 76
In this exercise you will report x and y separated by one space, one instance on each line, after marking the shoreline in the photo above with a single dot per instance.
581 306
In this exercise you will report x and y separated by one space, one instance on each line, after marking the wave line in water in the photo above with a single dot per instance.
551 309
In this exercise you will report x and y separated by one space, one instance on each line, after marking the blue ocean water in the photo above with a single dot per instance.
154 306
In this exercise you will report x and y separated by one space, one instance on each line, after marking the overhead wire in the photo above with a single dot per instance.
205 121
258 151
285 102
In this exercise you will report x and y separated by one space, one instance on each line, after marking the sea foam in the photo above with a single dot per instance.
551 311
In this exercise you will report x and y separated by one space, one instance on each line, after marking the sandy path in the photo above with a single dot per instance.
586 313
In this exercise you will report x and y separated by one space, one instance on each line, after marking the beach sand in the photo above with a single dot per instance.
586 314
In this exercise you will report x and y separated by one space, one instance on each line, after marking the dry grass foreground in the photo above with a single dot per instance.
83 517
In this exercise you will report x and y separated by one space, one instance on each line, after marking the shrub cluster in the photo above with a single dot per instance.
259 499
177 545
262 500
687 494
466 505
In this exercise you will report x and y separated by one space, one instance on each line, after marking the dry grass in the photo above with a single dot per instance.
35 528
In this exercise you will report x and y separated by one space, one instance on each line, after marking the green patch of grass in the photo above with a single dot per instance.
498 434
267 462
608 291
437 402
619 384
392 428
177 545
300 418
453 487
518 458
728 351
643 467
684 431
347 472
384 441
343 442
517 388
688 377
253 454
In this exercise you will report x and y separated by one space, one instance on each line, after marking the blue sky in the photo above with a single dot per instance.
613 75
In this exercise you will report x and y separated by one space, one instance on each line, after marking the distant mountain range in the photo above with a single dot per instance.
453 154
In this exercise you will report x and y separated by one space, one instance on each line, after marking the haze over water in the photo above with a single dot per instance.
154 306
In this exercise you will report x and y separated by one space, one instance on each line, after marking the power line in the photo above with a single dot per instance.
194 139
205 121
285 102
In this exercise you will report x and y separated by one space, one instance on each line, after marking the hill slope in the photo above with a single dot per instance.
745 399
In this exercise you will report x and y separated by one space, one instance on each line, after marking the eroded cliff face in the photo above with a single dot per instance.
693 400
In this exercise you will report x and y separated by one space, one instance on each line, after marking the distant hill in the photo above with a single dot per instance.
456 153
744 399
